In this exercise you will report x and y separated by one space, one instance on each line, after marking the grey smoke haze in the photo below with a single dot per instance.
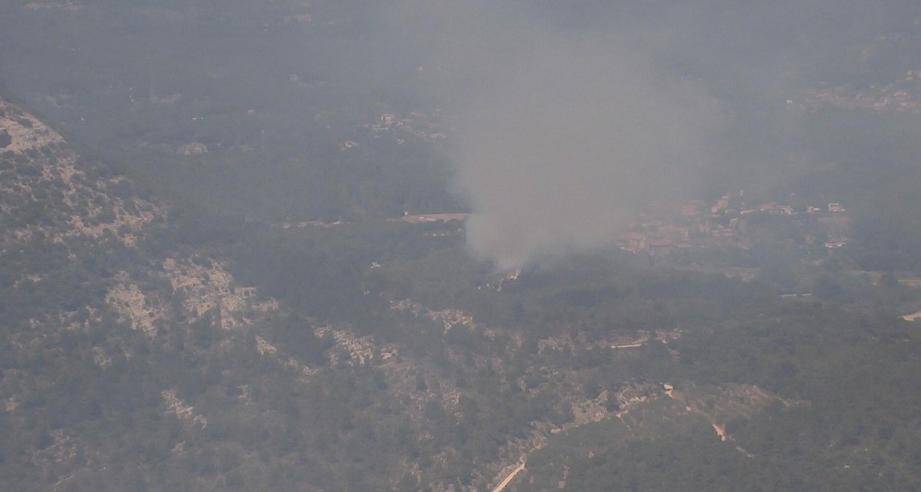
563 137
572 117
579 135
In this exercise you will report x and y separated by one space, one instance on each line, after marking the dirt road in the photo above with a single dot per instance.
508 479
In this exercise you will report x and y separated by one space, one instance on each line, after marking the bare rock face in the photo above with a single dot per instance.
50 191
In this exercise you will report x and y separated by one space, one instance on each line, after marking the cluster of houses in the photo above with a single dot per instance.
416 124
723 223
901 96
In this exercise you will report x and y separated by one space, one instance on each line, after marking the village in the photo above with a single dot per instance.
728 222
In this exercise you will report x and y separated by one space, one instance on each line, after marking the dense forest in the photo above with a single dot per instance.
214 274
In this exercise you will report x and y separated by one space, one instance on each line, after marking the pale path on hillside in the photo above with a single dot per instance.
511 476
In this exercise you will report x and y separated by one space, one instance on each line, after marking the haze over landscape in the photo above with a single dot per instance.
572 136
460 245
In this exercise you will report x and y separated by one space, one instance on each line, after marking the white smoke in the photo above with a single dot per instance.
560 148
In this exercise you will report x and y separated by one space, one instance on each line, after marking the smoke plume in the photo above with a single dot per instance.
570 118
565 138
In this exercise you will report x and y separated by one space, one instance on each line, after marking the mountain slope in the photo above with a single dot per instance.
378 355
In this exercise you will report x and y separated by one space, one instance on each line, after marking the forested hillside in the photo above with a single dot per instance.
234 256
